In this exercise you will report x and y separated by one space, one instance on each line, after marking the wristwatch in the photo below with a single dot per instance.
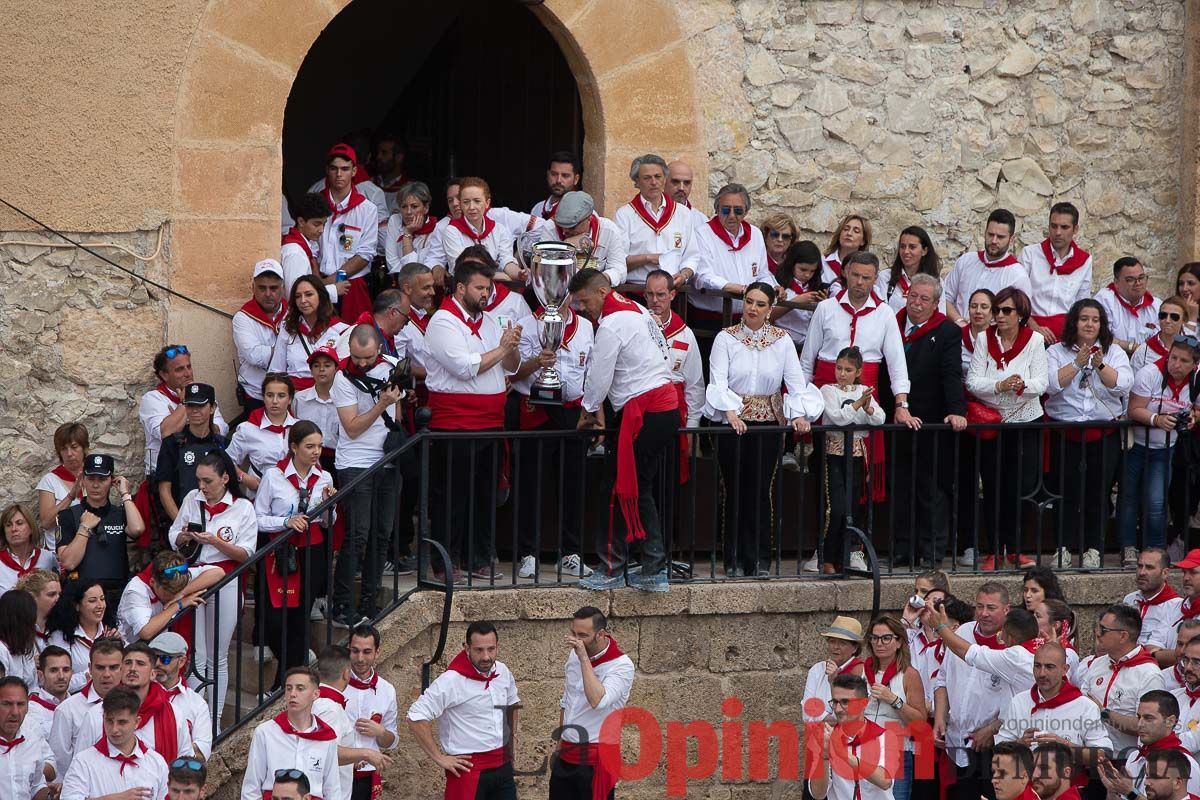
901 404
898 703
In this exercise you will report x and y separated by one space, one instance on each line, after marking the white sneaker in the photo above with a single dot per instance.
1129 556
264 653
1062 559
528 568
1091 559
811 565
858 560
319 609
967 559
573 565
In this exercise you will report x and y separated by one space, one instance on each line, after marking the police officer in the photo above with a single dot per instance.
176 470
93 534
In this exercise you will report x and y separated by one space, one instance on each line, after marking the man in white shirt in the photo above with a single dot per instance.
27 763
171 657
687 367
415 281
1117 679
857 764
630 369
1157 720
679 186
351 236
1060 272
161 410
659 231
1132 310
371 706
255 331
367 407
119 763
79 719
1185 631
1157 602
843 643
475 704
577 223
161 729
1189 606
333 666
54 682
599 677
435 257
1188 693
992 268
1054 710
732 254
296 739
562 176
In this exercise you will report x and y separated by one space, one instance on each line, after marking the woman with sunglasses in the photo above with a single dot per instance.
732 256
1171 316
76 622
261 440
163 589
896 692
310 324
779 233
1187 286
18 555
1090 378
1008 374
853 234
914 254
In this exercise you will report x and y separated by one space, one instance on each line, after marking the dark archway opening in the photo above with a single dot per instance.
472 87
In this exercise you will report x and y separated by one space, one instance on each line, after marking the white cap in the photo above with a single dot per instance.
268 265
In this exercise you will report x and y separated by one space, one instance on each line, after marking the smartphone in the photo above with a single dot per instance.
194 527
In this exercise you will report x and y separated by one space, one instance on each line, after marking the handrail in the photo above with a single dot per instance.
446 587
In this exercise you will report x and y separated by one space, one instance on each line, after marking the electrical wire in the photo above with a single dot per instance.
85 248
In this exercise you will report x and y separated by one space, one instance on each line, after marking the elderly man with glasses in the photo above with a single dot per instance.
732 254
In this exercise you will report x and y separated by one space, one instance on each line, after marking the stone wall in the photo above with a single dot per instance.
935 112
693 648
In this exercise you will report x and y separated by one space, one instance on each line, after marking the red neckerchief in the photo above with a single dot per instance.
991 642
639 207
176 691
1004 357
1146 301
389 341
293 236
174 398
465 228
1032 645
253 310
851 665
772 264
6 558
862 312
424 230
1163 595
968 339
355 683
1076 258
549 213
419 319
593 229
1066 694
611 653
673 326
614 302
42 701
1155 344
936 319
80 637
350 368
1178 676
1176 388
1168 742
1007 261
463 666
798 287
312 334
869 672
868 732
64 474
330 693
500 293
1188 610
146 576
124 760
41 634
1192 694
157 707
220 507
314 473
938 652
323 733
834 263
259 416
1135 658
353 200
903 284
451 305
722 234
7 745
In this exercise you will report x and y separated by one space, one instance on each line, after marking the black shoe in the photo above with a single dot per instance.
344 618
901 560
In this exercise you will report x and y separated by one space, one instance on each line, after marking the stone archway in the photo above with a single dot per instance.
229 120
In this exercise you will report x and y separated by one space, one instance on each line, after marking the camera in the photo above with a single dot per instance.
1182 419
401 376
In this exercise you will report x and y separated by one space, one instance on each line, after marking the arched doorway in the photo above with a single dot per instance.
471 87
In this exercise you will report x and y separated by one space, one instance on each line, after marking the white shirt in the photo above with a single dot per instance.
333 714
359 452
21 775
571 359
377 704
154 407
1144 354
236 525
1189 711
1135 767
616 676
295 263
609 246
393 250
470 714
498 242
719 264
971 272
292 350
94 774
1013 665
687 367
435 252
1030 364
1149 381
629 357
80 649
78 723
755 364
674 242
1158 621
795 321
872 754
1077 721
876 334
58 488
1054 293
975 697
39 719
308 405
40 558
515 222
255 342
507 306
1172 680
816 684
1120 691
454 354
278 499
271 749
139 604
927 655
360 226
410 341
22 666
1075 402
196 714
1126 325
261 447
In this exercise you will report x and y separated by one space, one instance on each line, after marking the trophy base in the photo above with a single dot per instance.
545 395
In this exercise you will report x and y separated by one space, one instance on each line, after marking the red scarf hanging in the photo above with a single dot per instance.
1192 694
253 310
1076 259
451 305
1066 694
323 732
1146 301
312 334
1155 344
1188 609
9 745
424 230
1168 742
1136 658
354 200
866 309
834 263
464 227
500 293
124 760
991 642
293 236
903 284
355 683
1004 357
330 693
170 395
886 679
1165 594
674 326
419 319
798 287
45 703
611 653
1176 388
719 230
639 207
157 707
463 666
1007 260
850 666
7 558
259 415
593 229
215 509
625 489
902 320
968 339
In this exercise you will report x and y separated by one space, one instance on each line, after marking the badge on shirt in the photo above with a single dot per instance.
678 240
189 457
504 320
582 360
754 270
225 533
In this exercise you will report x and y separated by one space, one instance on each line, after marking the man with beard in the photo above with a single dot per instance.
562 176
1189 607
28 761
475 704
161 729
1188 694
170 659
1156 601
1185 632
992 268
79 720
1053 768
679 186
1054 710
371 706
1168 773
387 166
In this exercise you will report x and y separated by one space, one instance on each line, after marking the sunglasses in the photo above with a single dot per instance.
175 350
1190 341
165 659
178 569
1006 310
188 763
289 775
787 237
1169 315
735 211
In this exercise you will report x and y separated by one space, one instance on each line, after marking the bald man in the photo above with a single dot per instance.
679 186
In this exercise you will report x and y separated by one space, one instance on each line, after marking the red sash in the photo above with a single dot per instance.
1054 322
1075 260
681 398
639 208
824 373
603 781
459 411
253 310
357 300
718 229
464 227
625 489
464 786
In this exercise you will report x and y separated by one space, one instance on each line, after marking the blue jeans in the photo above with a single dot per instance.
902 786
1144 483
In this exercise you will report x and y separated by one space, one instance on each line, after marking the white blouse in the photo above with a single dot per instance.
263 448
292 351
1078 403
744 364
1144 355
236 525
1030 364
839 410
393 250
278 499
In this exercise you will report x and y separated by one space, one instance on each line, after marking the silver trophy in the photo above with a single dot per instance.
551 267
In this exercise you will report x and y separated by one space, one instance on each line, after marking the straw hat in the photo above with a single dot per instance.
847 628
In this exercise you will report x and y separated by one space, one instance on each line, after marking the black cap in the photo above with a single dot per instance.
197 394
98 464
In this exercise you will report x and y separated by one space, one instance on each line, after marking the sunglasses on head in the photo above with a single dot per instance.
289 775
187 763
1190 341
1006 310
736 211
178 569
1170 315
175 350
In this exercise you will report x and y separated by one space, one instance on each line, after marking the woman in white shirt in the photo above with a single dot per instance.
221 522
1089 379
1171 315
749 364
287 491
409 232
1008 373
914 254
76 622
311 323
476 226
18 613
895 688
18 556
59 488
261 440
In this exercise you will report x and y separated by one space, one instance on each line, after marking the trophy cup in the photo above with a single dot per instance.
551 267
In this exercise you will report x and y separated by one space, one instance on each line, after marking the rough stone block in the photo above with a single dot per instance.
631 603
759 643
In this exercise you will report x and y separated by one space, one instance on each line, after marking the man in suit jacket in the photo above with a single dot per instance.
932 345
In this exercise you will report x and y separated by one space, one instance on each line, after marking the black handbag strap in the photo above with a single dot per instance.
369 385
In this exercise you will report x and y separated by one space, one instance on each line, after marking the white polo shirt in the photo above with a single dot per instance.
1129 322
615 672
971 272
195 713
41 714
155 406
21 762
669 232
330 708
97 771
1077 720
78 720
308 405
272 748
629 358
1055 291
875 332
875 752
254 335
975 697
359 452
470 713
350 231
373 699
140 603
1159 615
726 259
1120 690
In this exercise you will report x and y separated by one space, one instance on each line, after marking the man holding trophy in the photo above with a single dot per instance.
576 222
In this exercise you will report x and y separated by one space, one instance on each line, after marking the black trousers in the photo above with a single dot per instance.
288 631
748 464
650 451
974 780
497 784
361 788
555 467
571 781
921 500
463 493
965 497
1011 468
839 508
1083 474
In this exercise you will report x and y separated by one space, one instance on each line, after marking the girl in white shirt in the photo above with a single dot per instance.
18 556
310 324
261 440
288 489
749 364
799 279
981 315
18 613
59 488
76 622
914 254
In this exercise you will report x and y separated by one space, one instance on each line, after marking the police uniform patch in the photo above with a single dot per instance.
189 457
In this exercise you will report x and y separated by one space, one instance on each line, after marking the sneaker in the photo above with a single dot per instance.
528 567
1091 559
790 463
735 572
650 583
987 564
573 565
1129 556
598 581
1024 562
402 567
811 565
858 561
319 610
344 618
967 559
1062 559
456 577
487 573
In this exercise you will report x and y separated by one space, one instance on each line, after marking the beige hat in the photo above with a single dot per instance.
847 628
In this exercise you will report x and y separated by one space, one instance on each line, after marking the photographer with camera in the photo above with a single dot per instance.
368 407
296 571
